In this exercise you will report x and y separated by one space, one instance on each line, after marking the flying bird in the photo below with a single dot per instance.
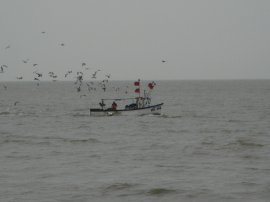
2 68
7 47
25 61
69 72
35 65
43 32
95 74
38 74
62 44
20 78
51 74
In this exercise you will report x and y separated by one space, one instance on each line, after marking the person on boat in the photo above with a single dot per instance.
114 105
140 102
102 104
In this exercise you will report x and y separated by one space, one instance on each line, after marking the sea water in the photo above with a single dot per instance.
211 143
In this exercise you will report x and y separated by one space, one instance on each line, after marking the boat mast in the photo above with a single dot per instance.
139 88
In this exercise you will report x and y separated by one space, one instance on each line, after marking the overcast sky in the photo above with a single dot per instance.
199 39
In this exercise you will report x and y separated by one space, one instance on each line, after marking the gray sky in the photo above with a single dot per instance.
199 39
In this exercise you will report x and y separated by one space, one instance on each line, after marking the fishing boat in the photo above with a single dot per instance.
140 105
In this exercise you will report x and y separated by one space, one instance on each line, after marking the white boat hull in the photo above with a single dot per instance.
154 109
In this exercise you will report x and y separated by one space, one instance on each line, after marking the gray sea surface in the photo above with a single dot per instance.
211 143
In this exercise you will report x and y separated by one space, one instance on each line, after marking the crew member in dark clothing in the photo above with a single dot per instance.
114 105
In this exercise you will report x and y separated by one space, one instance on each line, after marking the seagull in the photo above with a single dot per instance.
2 69
38 74
25 61
20 78
35 65
62 44
15 103
95 73
108 76
36 79
163 61
69 72
89 87
43 32
83 64
51 74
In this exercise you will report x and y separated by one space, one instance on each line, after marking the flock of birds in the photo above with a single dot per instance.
79 77
92 85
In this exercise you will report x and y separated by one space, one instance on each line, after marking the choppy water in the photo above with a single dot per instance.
210 144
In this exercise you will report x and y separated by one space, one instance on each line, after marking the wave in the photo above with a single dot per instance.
170 116
80 115
9 139
79 110
5 133
236 121
248 143
23 140
161 191
23 157
19 141
4 113
117 187
89 140
243 143
20 113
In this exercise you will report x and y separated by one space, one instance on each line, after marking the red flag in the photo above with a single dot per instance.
136 83
151 86
137 90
